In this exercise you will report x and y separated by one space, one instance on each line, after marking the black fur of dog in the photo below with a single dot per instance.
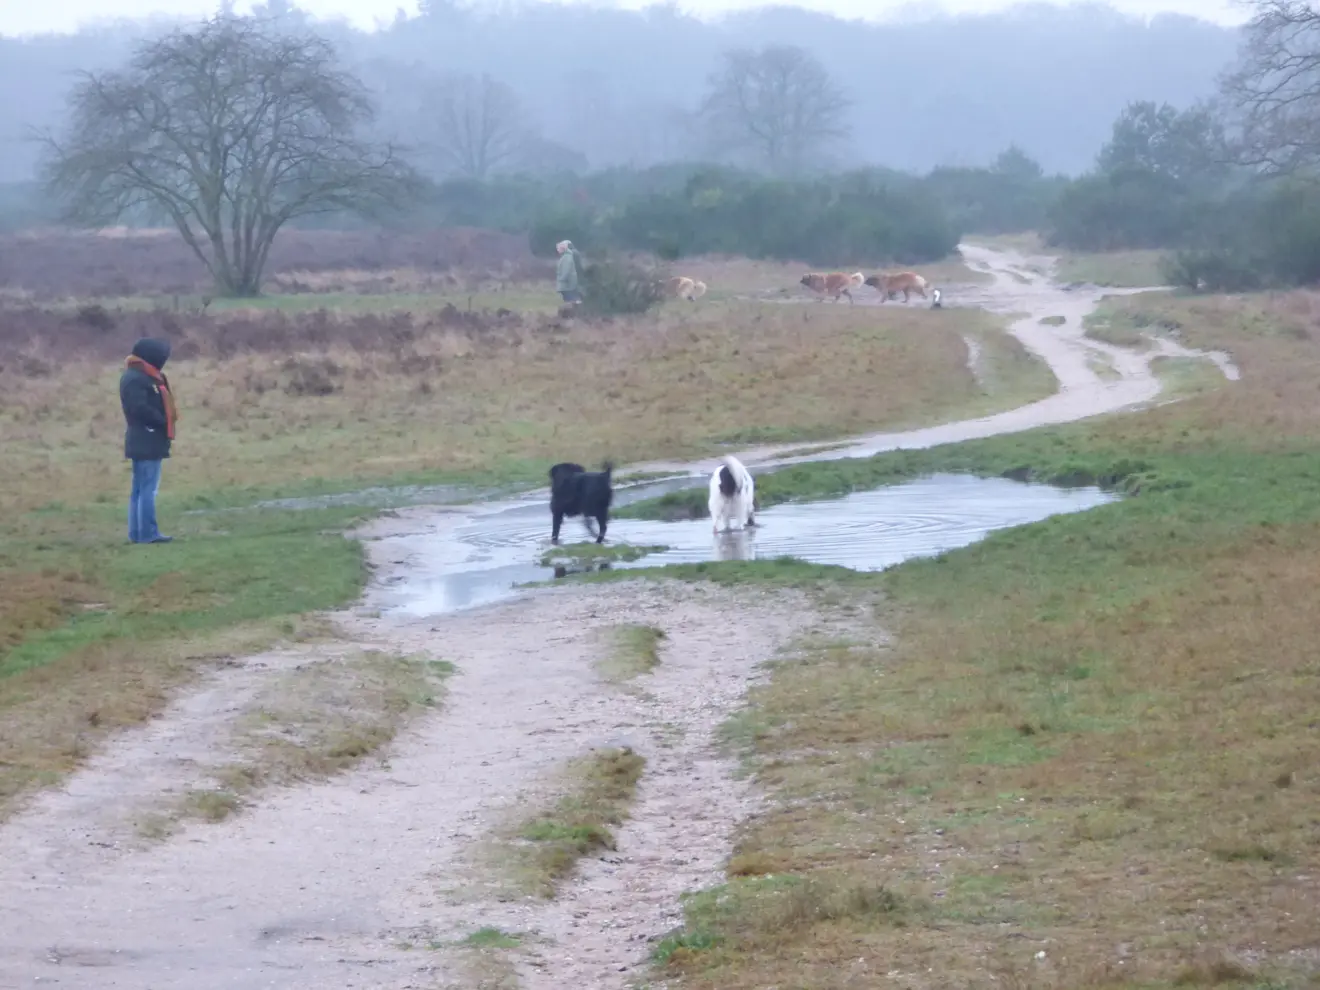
575 491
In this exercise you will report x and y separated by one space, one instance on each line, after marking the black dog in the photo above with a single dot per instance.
575 491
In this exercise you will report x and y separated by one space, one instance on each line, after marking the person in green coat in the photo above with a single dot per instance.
566 273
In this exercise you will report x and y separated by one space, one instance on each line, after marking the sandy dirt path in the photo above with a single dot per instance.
366 880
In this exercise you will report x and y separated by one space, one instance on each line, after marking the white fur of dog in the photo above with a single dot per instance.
732 496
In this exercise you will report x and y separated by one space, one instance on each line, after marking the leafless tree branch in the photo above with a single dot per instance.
477 126
778 102
1273 92
229 131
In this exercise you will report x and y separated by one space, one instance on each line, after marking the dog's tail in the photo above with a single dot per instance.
735 471
607 469
856 280
728 483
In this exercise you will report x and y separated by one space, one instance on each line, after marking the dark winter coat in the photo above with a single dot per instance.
146 433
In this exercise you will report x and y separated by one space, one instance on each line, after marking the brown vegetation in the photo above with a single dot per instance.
320 718
47 265
275 398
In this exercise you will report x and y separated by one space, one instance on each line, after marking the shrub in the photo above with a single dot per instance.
576 225
860 218
1131 208
614 287
1212 271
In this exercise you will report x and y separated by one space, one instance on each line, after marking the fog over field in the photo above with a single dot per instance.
612 86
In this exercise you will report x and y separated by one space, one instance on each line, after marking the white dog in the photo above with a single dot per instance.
732 496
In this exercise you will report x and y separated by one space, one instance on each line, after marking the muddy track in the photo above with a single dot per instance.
369 879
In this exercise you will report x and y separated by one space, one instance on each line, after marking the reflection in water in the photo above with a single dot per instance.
736 545
480 560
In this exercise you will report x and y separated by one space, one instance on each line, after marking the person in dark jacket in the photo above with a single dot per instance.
149 418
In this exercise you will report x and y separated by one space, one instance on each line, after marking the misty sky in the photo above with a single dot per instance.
18 17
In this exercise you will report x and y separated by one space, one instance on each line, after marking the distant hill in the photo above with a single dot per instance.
616 84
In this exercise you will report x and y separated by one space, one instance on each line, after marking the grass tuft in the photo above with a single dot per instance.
765 913
588 555
315 721
599 790
635 650
491 938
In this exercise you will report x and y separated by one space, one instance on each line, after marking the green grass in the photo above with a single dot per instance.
748 914
221 571
634 650
587 554
597 793
1116 269
120 626
1082 733
491 938
1120 322
777 572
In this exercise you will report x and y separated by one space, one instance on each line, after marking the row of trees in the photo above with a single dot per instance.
775 108
232 130
1229 186
236 128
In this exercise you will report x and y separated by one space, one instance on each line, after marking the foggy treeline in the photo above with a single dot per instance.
603 87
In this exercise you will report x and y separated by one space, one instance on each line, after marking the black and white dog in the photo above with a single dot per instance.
575 491
732 496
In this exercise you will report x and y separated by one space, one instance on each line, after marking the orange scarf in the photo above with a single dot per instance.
163 385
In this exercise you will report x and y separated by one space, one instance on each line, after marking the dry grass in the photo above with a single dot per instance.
634 651
1134 269
321 718
397 399
676 384
1093 739
596 793
56 714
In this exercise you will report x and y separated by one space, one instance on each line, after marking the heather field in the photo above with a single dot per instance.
1078 754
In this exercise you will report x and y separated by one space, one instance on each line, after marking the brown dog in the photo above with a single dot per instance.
682 287
905 282
833 284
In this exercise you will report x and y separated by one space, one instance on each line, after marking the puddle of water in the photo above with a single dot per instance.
479 560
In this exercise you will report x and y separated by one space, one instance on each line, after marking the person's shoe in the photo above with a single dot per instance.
162 539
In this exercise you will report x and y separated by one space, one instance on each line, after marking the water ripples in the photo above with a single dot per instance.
480 560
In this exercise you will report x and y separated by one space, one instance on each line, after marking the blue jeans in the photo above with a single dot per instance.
142 503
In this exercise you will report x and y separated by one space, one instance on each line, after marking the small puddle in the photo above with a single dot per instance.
479 557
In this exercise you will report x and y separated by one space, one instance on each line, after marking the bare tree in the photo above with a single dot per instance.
478 126
229 131
778 103
1273 92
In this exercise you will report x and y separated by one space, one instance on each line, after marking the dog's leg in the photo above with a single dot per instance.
554 529
604 522
586 521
